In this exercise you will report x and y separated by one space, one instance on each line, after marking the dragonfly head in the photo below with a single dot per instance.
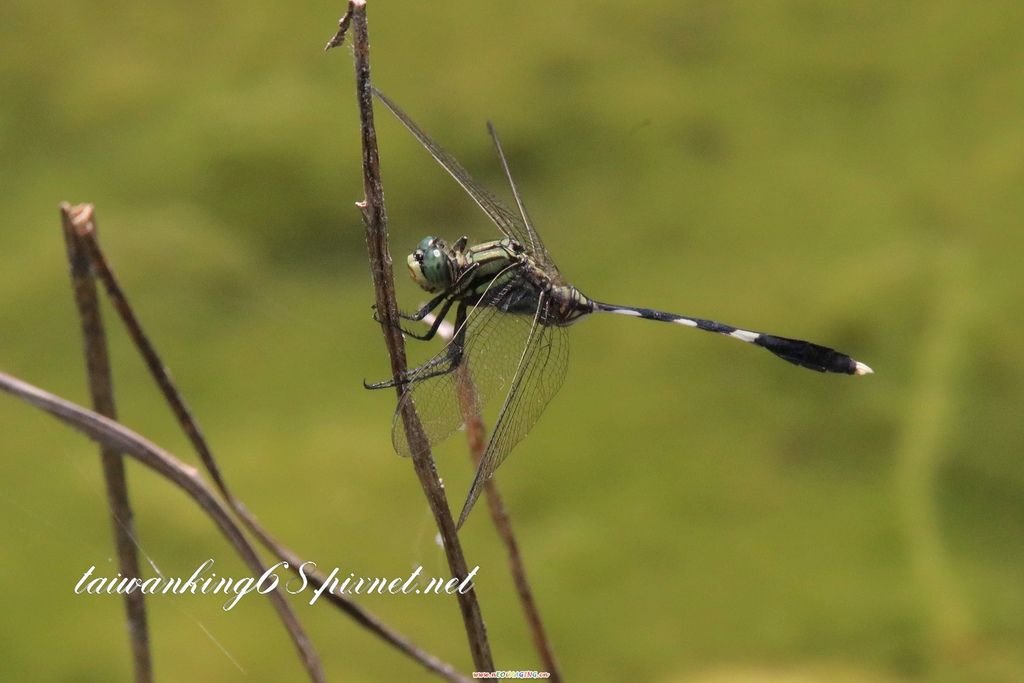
430 265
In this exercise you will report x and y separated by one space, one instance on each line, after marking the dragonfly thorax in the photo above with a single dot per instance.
430 266
437 266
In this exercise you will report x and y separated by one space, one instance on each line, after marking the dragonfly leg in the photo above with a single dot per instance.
416 316
442 364
420 314
426 308
450 293
438 319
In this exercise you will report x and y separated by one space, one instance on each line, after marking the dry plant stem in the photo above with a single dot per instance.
375 219
97 364
85 230
518 570
120 439
477 437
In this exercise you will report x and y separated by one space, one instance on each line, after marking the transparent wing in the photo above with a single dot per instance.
534 243
508 222
493 345
539 374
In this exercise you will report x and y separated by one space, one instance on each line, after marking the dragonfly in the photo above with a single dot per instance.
512 308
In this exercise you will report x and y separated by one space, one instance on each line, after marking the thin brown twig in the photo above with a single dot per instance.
97 363
118 438
85 229
375 220
339 36
476 435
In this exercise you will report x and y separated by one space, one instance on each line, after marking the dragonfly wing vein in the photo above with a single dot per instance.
508 222
540 372
535 243
493 343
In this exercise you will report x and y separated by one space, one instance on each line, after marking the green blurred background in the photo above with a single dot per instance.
690 509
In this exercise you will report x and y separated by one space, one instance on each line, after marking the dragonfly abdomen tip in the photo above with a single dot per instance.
862 368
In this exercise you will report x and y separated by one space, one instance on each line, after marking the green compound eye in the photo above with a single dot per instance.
429 265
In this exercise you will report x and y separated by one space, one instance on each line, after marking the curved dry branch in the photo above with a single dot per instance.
119 438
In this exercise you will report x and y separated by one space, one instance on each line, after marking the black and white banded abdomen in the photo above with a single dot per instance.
797 351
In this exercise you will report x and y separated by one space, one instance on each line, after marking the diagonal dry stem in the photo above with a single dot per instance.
476 437
375 220
476 434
